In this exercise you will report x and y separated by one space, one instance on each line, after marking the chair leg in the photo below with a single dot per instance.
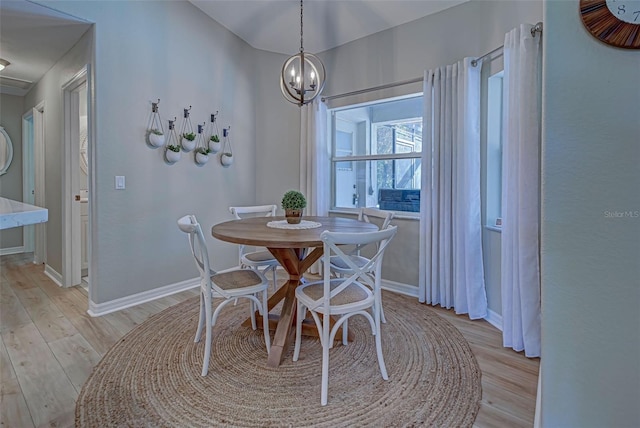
200 320
383 367
325 360
252 314
273 270
207 346
265 320
301 313
345 332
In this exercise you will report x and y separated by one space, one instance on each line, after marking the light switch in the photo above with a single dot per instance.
119 182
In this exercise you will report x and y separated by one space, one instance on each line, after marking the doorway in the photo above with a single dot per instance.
76 194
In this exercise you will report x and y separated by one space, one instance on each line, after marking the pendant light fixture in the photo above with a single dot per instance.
303 75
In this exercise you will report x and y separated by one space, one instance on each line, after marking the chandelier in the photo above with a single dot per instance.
303 75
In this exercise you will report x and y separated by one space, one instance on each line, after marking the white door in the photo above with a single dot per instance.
75 247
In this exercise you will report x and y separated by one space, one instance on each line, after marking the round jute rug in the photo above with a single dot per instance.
151 377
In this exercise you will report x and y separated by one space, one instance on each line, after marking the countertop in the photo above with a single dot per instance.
16 214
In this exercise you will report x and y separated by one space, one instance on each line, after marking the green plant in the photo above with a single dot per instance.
156 131
215 138
189 136
293 200
203 150
173 148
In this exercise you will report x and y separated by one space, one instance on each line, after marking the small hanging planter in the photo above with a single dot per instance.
155 132
214 139
156 138
187 136
173 154
188 141
214 144
202 151
202 156
172 149
226 158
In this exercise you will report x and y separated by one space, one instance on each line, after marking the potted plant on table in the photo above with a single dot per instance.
293 203
188 141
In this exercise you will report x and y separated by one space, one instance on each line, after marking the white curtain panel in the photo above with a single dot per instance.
315 161
521 191
451 272
314 158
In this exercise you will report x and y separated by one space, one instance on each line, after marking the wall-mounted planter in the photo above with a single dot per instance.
201 158
188 141
155 132
156 138
171 155
226 159
215 146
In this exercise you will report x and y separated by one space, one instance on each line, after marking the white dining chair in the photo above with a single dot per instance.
260 258
343 297
339 267
228 286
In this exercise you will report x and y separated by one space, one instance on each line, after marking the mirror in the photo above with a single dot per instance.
6 151
84 161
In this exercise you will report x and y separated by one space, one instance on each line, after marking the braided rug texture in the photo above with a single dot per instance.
151 377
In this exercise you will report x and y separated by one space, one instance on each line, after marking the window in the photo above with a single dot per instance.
494 150
376 150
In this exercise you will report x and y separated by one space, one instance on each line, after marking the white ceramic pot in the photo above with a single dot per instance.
156 140
226 159
172 156
188 145
201 159
215 147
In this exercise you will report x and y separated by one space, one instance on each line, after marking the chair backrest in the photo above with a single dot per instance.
253 211
366 213
369 273
189 225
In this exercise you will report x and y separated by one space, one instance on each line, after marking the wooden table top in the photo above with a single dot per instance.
254 231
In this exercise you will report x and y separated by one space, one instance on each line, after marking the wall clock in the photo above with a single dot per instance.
615 22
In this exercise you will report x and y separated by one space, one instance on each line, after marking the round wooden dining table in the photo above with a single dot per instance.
296 250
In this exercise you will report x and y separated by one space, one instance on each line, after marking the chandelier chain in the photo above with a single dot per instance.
301 45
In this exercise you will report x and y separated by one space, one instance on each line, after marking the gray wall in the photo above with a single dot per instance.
590 272
172 51
11 109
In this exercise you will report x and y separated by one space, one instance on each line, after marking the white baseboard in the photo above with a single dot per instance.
399 287
99 309
494 319
11 250
53 275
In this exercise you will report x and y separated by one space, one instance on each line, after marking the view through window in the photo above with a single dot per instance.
376 150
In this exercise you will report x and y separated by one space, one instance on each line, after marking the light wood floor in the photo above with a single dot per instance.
49 345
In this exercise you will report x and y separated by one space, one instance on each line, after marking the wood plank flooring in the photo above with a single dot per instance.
49 345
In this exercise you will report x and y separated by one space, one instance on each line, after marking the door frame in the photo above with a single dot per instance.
71 254
33 178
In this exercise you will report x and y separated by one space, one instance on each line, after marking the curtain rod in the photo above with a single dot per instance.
535 29
375 88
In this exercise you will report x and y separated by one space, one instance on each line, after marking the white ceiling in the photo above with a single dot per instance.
274 25
34 37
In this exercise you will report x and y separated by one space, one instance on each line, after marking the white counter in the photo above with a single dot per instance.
16 214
